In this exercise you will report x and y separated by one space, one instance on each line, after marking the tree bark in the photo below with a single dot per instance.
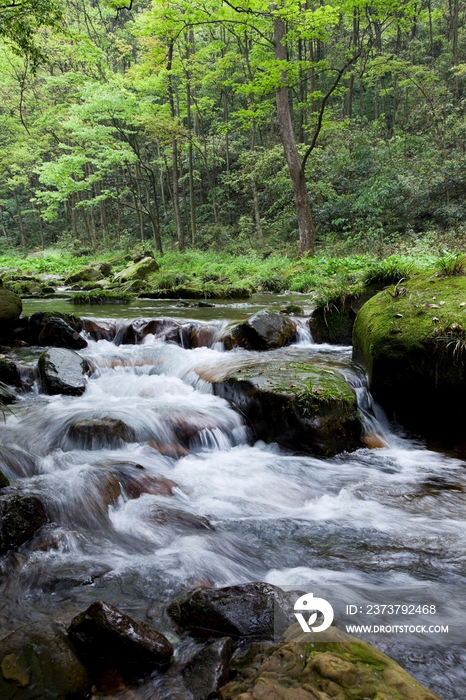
288 138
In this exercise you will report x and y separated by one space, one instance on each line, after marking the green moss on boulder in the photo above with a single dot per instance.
304 668
411 339
297 404
138 271
10 305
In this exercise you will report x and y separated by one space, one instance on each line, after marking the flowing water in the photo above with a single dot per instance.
192 499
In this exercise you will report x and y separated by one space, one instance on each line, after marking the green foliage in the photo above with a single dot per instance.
102 296
390 271
451 265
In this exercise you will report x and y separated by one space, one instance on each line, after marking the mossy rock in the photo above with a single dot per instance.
299 405
304 668
90 273
10 305
138 271
4 480
101 296
411 339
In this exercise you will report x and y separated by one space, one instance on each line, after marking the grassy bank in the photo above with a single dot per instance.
212 274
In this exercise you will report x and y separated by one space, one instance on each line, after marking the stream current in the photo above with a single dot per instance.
193 500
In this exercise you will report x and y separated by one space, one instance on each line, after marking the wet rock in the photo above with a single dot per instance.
4 480
107 636
415 355
135 486
20 517
306 668
138 271
265 330
207 671
201 335
41 318
16 462
37 662
292 310
94 434
62 371
205 305
56 333
135 332
246 610
90 273
100 330
10 305
9 373
300 406
178 519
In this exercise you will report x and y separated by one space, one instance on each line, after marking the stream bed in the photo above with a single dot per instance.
193 500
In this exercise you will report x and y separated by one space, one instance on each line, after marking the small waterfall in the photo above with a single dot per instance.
303 332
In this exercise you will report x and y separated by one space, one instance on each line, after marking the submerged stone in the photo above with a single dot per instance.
105 635
20 517
37 662
95 433
62 371
299 405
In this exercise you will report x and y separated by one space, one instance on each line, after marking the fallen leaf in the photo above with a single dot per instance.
433 306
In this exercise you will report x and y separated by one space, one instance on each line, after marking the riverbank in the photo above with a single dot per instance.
199 275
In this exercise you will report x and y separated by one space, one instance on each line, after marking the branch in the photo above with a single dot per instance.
332 89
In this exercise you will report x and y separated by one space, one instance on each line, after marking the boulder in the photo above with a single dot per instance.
135 486
265 330
62 371
90 273
135 332
332 322
96 433
306 668
37 662
246 610
58 334
20 517
10 305
9 373
299 405
41 318
411 339
107 636
4 480
207 671
138 271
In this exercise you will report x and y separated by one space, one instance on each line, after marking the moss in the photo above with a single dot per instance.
102 296
4 481
411 339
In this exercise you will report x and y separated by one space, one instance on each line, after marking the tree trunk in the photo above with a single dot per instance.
175 178
288 138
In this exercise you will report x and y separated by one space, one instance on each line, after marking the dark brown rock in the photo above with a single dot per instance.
37 662
107 636
100 330
265 330
58 334
9 373
246 610
4 480
96 433
135 486
62 372
20 517
207 671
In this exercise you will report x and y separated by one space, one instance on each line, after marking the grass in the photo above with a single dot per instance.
215 273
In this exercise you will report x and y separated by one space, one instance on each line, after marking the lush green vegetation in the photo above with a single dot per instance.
178 124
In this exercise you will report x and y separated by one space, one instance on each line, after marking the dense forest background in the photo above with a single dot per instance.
199 123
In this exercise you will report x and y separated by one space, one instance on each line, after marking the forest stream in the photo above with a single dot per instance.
241 510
